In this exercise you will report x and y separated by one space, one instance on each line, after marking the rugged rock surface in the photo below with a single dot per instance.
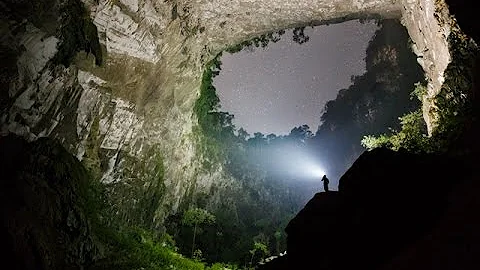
372 102
134 112
44 221
393 210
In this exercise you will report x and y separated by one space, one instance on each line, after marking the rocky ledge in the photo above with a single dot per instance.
393 210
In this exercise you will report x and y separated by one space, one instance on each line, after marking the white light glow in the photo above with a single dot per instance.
311 169
289 162
318 172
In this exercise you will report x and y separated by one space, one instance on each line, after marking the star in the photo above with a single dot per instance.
286 85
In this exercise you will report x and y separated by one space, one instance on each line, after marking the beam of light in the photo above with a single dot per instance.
313 170
317 172
290 162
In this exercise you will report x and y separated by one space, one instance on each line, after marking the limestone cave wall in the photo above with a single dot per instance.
130 120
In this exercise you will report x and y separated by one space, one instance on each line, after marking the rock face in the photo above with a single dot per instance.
134 112
393 210
372 102
42 206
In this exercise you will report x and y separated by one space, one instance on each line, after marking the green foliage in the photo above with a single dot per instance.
208 100
168 241
134 248
260 41
419 91
453 103
127 247
258 248
195 216
211 123
411 137
453 106
223 266
77 32
131 247
198 255
246 210
371 142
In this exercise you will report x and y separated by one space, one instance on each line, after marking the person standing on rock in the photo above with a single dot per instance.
325 183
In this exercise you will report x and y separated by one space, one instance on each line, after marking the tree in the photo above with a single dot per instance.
258 246
243 134
271 137
194 217
278 237
300 133
299 35
257 140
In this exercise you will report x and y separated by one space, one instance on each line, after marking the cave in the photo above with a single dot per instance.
274 89
107 93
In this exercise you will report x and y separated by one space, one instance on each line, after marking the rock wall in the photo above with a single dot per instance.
45 212
429 25
408 219
130 120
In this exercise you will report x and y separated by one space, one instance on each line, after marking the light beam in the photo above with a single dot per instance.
313 170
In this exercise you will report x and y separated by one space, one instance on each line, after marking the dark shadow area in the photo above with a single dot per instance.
398 210
393 210
44 215
374 101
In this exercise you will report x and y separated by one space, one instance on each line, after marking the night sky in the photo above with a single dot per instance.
285 85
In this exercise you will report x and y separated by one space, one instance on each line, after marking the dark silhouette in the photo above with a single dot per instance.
299 35
405 227
325 183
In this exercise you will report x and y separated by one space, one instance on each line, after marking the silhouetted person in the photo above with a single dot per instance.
325 183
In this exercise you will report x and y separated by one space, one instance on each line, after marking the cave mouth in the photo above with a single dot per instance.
270 168
322 89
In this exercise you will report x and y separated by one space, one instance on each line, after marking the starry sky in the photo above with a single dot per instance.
286 84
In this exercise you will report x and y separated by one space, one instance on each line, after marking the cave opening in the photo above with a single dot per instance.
280 165
325 87
105 166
